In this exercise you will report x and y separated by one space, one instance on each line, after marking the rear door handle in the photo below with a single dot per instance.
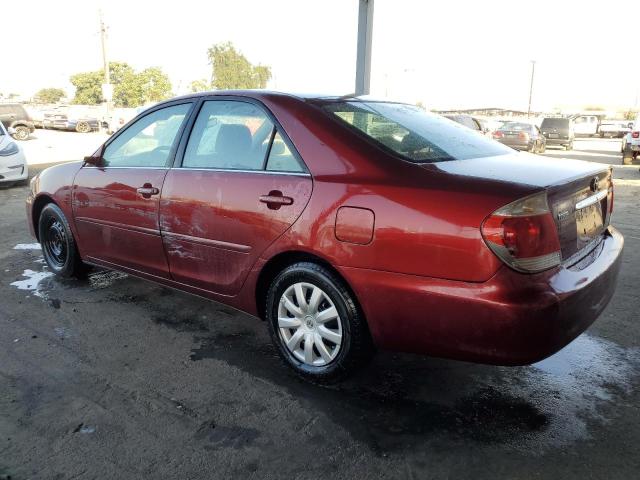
275 200
147 190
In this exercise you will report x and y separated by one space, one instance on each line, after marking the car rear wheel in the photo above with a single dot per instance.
83 127
22 133
628 157
315 323
58 245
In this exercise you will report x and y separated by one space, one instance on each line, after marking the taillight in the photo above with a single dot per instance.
498 134
635 134
523 136
523 234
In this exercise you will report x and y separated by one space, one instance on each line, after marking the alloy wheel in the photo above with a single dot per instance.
309 324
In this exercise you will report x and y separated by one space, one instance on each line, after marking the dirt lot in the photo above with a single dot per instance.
114 377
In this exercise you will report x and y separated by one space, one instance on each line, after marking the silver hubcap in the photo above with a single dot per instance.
309 324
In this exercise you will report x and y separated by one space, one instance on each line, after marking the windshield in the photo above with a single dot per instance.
414 134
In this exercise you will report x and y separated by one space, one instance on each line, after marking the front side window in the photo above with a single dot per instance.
148 141
414 134
229 135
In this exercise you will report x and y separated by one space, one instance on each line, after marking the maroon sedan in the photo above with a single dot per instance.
346 224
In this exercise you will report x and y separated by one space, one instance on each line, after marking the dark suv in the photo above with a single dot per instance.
558 131
13 115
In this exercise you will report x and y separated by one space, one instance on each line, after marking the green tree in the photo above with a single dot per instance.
232 70
49 95
88 87
199 86
130 88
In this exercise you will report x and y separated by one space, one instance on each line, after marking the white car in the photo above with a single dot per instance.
13 163
631 144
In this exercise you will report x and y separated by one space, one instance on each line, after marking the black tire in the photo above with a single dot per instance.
22 132
58 245
356 347
83 127
569 147
628 157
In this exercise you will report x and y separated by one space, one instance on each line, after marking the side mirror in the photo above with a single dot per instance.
95 158
11 131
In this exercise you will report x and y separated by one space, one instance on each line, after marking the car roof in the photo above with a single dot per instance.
304 96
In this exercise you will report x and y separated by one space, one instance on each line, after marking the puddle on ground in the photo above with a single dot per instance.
401 401
104 278
32 282
27 246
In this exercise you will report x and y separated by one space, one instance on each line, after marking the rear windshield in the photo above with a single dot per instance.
414 134
555 122
512 126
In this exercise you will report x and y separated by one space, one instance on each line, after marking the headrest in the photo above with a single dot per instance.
233 139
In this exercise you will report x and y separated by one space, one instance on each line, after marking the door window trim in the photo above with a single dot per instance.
140 116
186 134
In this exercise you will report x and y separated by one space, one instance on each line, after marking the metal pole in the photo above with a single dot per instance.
533 71
363 57
103 40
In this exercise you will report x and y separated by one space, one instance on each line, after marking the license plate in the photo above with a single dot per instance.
589 224
553 135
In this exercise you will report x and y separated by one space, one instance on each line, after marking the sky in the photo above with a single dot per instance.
445 54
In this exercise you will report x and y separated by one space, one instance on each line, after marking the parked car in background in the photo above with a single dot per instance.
13 115
558 131
13 163
61 120
521 136
305 212
468 121
586 125
613 128
631 144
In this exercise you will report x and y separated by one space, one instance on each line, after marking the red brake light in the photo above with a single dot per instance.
523 234
635 134
523 136
498 134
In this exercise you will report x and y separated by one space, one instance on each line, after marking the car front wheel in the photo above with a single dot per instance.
83 127
22 133
315 323
58 245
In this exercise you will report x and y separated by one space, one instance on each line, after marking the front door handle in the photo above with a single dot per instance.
275 200
147 190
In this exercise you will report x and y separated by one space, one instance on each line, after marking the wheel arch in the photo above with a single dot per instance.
282 260
38 205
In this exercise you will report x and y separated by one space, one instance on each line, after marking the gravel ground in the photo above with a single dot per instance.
115 377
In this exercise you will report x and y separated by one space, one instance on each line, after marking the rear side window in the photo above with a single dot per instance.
416 135
229 135
281 158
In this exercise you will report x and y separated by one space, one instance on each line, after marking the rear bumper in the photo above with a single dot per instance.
517 145
558 141
512 319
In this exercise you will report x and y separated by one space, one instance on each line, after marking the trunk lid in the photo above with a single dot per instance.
577 192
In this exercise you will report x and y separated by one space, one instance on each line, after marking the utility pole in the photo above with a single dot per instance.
107 88
533 71
103 40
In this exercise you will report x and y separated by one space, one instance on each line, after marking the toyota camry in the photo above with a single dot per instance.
346 224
